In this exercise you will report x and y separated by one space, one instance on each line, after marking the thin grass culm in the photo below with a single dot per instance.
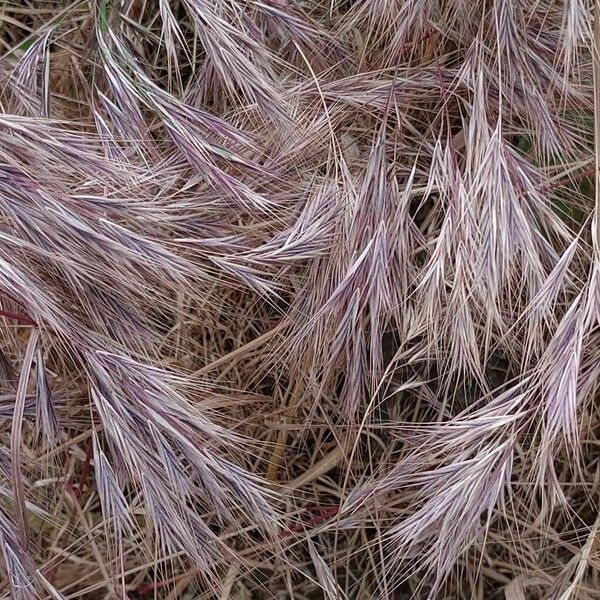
300 299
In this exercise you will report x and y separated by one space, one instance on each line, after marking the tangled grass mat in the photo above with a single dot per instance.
299 300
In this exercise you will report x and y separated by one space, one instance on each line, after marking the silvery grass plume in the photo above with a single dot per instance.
299 299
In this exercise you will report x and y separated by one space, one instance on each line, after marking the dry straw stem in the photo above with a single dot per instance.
299 299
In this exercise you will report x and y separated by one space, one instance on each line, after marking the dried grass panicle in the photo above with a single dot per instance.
299 298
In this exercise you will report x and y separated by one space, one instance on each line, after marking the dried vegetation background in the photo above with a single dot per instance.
299 299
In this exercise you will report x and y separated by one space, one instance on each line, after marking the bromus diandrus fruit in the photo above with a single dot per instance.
299 299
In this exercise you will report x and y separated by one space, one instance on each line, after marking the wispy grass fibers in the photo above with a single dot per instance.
299 299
